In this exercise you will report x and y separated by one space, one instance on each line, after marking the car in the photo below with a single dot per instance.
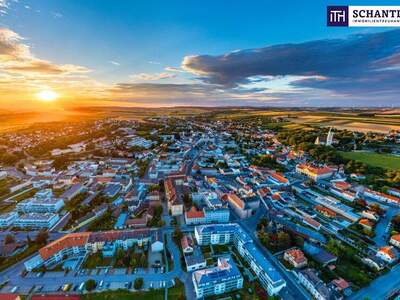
81 286
101 283
14 289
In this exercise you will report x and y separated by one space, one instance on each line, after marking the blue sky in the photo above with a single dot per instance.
157 52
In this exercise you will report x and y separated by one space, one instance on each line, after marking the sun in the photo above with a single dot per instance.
47 95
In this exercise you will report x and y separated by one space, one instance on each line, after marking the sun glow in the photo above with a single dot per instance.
47 95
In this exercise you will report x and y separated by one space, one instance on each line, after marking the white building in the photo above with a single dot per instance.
7 219
36 220
225 277
219 234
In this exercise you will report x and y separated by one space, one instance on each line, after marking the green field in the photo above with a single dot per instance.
385 161
176 293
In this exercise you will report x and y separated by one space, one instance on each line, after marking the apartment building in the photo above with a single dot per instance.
219 234
7 219
36 220
40 205
79 244
225 277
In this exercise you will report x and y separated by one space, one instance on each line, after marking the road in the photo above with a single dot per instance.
58 278
293 289
381 287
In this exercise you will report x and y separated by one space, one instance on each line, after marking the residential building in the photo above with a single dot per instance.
195 260
175 188
82 243
40 205
317 288
295 257
387 253
315 172
36 220
225 277
7 219
395 240
219 234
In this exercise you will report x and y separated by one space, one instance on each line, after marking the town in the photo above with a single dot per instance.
197 207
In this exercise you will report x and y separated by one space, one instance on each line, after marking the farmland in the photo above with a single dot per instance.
385 161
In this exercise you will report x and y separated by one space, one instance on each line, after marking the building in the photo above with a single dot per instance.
241 208
387 254
36 220
40 205
317 288
223 278
187 244
83 243
395 240
371 215
7 219
315 172
219 234
367 224
295 257
73 191
175 188
195 260
382 197
207 216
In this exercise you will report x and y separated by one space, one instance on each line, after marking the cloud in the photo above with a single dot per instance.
174 69
16 57
114 63
152 77
357 64
152 62
56 15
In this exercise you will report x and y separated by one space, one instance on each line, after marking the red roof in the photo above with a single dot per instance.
55 297
9 297
296 254
67 241
194 213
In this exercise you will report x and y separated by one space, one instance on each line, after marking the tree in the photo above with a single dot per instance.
177 235
9 239
41 237
138 284
90 285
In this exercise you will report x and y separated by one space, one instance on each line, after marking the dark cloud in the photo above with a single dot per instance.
360 63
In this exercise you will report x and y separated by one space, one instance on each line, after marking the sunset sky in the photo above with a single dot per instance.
64 53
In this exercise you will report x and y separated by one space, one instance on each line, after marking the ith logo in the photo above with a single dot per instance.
338 16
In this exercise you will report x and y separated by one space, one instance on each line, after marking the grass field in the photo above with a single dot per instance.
173 293
385 161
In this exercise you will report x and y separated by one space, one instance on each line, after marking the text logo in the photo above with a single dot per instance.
338 16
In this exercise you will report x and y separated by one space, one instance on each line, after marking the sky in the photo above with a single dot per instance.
202 53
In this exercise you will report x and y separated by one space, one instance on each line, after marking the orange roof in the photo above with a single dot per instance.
366 222
326 211
342 185
279 177
388 250
276 196
312 222
194 213
396 237
236 200
296 254
316 170
67 241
